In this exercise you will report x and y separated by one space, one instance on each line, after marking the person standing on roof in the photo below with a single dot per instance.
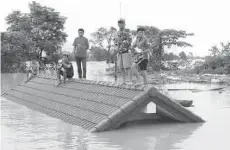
81 45
141 54
123 42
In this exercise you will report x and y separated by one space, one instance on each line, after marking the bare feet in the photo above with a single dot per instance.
59 83
26 81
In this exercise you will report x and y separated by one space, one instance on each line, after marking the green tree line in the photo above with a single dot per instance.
218 61
31 34
42 31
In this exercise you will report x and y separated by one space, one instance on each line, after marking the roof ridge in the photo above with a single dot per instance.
102 83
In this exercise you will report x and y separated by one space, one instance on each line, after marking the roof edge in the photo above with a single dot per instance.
116 118
155 93
131 107
102 126
102 83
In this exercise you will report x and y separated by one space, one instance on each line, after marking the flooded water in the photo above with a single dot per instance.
25 129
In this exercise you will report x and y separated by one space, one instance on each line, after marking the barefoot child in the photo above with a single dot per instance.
141 53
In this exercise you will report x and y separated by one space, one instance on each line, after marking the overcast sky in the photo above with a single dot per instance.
207 19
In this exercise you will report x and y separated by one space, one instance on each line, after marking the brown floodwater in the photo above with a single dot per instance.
26 129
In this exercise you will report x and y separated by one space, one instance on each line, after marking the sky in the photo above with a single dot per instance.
207 19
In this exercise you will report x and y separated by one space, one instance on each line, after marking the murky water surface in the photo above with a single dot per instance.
25 129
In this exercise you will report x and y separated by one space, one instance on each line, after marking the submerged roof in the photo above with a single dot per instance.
95 106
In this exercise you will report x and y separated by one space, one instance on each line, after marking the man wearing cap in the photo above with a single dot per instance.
123 42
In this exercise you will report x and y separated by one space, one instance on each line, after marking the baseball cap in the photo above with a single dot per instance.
121 20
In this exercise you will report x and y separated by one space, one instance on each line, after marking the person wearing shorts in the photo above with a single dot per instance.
65 70
142 61
123 42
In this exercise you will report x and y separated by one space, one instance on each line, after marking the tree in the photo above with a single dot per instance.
214 51
183 55
225 48
190 55
98 52
170 56
219 59
103 38
15 49
42 26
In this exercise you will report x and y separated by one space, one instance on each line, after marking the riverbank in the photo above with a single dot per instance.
101 72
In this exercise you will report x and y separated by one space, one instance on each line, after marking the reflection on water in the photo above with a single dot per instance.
26 129
160 137
9 81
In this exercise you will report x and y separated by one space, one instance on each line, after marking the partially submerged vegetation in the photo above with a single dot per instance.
42 31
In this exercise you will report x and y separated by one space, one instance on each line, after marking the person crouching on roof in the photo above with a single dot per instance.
64 69
32 68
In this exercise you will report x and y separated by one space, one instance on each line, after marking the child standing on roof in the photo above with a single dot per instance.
141 51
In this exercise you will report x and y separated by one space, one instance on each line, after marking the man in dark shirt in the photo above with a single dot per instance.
81 45
65 69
